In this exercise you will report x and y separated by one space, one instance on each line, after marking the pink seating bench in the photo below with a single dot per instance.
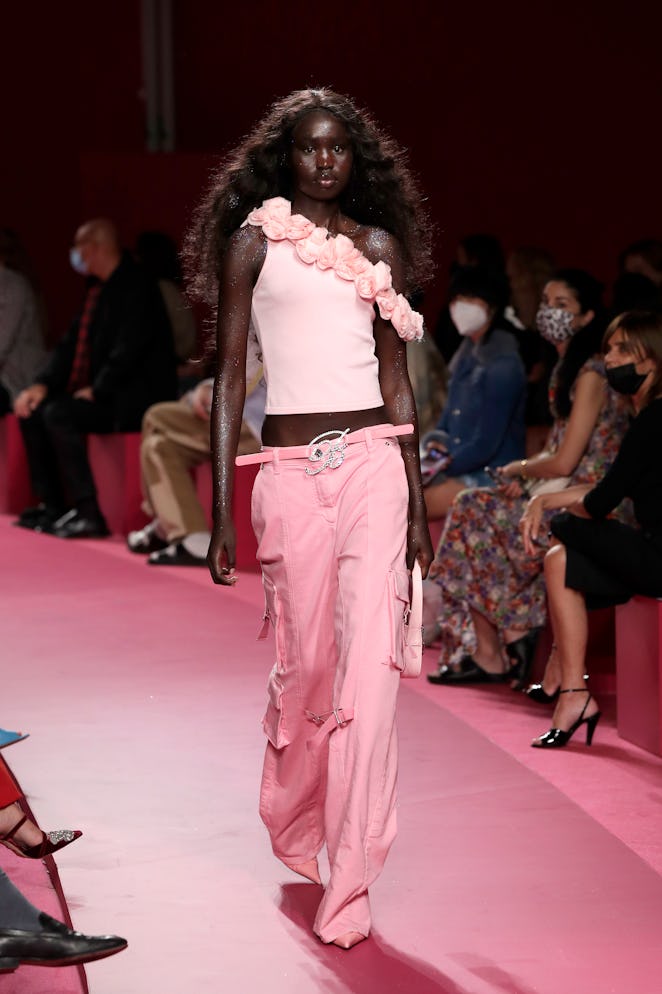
639 672
15 490
115 463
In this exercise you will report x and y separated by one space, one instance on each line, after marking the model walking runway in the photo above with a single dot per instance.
143 692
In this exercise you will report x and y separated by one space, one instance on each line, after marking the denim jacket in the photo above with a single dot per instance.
484 413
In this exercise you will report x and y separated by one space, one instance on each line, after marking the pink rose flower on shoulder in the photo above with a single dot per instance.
374 281
308 249
273 208
274 216
416 325
276 228
359 264
327 257
278 207
346 254
257 216
407 323
299 227
386 301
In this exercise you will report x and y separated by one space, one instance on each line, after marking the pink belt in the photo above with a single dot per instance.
326 449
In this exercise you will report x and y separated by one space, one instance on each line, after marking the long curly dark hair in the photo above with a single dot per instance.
381 191
588 340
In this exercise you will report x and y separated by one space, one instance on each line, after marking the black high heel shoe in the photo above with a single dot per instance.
536 692
556 738
522 652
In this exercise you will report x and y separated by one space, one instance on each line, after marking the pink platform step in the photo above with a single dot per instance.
639 672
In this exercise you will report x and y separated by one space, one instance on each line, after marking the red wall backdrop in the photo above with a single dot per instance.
539 123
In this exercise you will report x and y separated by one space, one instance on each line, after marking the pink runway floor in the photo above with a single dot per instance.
514 872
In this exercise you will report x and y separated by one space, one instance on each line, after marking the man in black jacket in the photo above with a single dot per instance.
116 360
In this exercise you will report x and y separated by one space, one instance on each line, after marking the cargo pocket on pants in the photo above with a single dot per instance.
274 721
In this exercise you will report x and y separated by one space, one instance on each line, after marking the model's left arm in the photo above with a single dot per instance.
401 409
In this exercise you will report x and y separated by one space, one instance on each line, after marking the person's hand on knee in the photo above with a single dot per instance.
29 400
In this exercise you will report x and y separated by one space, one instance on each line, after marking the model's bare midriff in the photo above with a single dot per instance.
299 429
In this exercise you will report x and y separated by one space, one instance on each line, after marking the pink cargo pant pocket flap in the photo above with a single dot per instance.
273 721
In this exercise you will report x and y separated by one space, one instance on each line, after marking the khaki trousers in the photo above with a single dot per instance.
175 441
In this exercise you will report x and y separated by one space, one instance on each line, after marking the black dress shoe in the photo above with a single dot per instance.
146 539
73 524
57 945
40 518
466 671
175 555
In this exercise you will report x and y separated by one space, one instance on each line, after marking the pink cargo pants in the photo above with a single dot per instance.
332 549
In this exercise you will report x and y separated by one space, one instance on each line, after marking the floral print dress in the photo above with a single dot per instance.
481 554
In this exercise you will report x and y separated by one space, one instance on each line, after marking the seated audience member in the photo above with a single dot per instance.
595 560
643 257
116 360
429 381
30 936
176 437
639 283
483 251
493 593
157 254
22 350
18 833
529 269
482 423
26 934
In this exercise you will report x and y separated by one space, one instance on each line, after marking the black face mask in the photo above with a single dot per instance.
625 379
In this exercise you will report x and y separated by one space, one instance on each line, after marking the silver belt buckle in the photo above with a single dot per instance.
327 449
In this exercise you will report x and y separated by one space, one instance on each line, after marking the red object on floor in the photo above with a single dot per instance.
515 870
639 672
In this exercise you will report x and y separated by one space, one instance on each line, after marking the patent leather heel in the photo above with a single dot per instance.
556 738
536 692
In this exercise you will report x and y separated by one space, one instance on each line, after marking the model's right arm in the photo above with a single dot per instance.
240 268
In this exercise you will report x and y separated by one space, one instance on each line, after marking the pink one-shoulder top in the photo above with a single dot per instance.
312 313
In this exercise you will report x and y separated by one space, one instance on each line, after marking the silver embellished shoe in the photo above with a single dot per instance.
50 841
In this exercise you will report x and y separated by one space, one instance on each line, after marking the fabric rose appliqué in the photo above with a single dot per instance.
313 246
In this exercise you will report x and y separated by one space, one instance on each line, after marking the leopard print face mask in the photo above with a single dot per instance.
554 324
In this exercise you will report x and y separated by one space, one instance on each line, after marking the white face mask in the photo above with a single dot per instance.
468 318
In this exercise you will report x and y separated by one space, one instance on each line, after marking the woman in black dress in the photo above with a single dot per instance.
599 561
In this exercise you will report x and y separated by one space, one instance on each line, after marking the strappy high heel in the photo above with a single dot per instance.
50 841
536 692
556 738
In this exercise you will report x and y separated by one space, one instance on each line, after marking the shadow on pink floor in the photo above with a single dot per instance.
373 967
